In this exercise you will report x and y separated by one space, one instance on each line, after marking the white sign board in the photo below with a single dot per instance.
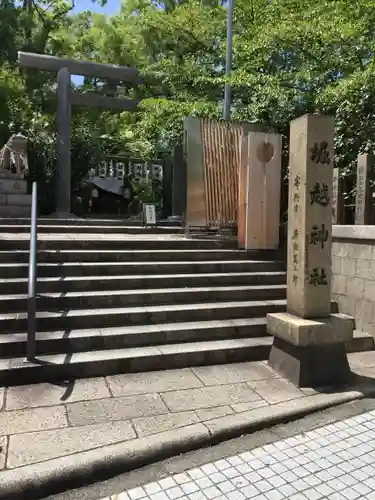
149 214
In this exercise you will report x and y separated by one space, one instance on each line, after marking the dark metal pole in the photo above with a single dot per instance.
31 298
228 63
63 177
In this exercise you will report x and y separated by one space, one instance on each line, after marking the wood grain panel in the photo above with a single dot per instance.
221 156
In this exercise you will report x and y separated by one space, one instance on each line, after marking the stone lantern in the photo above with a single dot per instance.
14 200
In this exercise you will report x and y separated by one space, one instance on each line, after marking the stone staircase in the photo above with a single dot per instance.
115 299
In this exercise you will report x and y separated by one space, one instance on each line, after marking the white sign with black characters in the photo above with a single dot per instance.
149 214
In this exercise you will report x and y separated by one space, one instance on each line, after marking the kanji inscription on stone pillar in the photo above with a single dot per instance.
310 216
337 198
363 199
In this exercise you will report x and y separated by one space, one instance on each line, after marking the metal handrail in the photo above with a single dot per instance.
31 297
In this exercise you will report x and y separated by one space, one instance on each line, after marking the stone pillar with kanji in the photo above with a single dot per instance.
338 209
363 199
309 341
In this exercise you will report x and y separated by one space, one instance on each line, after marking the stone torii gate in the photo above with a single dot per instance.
66 97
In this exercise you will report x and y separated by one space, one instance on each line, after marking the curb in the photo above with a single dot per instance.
39 480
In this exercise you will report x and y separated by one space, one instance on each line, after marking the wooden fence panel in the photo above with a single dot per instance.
221 157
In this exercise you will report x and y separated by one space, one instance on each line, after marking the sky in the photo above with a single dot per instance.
110 8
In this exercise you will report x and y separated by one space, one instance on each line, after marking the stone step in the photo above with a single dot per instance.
145 297
135 282
15 371
92 229
60 256
186 344
126 316
14 344
115 268
362 341
113 242
50 221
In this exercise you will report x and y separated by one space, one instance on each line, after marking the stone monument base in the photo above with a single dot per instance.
310 353
14 202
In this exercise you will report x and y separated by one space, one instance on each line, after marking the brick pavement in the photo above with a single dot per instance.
45 421
335 462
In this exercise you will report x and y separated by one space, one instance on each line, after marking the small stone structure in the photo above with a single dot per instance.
309 341
14 200
337 198
363 200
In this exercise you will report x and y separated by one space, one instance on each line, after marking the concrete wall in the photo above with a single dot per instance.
353 273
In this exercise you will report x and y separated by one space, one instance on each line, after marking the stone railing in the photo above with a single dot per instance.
13 158
353 273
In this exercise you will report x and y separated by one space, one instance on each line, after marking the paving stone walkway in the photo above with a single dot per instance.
335 462
44 421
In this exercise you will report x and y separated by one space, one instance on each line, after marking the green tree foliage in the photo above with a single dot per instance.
290 57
